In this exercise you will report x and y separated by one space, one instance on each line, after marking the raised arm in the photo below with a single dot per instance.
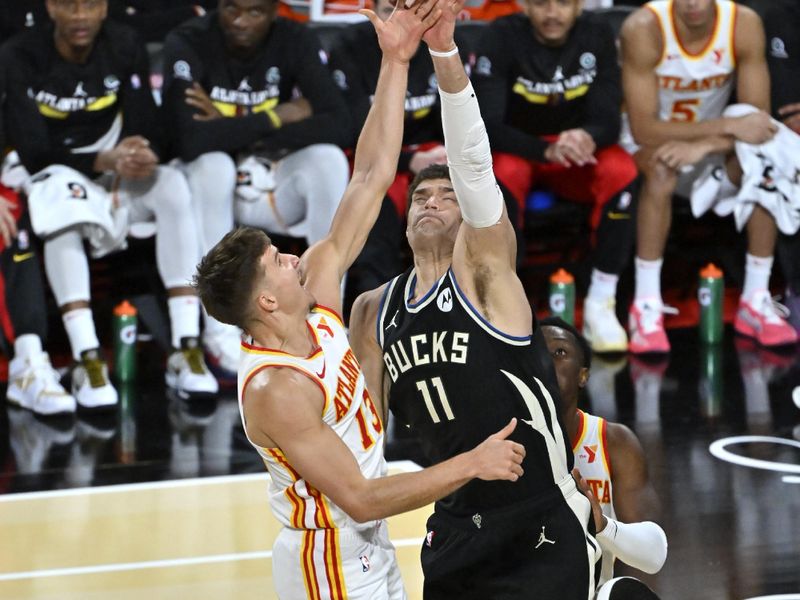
325 263
484 256
282 407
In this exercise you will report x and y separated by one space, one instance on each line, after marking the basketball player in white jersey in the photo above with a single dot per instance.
681 61
611 462
304 404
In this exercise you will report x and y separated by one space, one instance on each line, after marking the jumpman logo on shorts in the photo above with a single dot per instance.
543 540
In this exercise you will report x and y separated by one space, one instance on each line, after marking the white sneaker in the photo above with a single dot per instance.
601 328
90 384
34 384
223 346
188 374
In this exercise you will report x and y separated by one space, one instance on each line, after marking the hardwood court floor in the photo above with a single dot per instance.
200 538
167 500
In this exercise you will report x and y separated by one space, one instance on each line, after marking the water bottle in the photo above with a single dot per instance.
124 342
711 288
562 295
710 384
127 425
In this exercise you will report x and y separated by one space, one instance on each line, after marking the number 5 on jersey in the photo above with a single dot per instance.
423 387
685 111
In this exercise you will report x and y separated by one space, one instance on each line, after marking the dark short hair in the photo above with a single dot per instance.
580 341
438 171
227 275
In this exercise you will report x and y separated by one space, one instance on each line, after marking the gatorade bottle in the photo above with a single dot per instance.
711 287
124 342
710 385
127 425
562 295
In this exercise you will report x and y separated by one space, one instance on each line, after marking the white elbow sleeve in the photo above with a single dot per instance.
641 545
470 158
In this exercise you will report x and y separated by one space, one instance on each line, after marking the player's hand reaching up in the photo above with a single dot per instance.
399 35
440 37
498 457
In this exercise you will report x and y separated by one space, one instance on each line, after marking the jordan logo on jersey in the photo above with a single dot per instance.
543 539
393 322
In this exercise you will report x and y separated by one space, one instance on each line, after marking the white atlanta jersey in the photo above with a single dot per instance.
348 410
592 460
695 87
321 553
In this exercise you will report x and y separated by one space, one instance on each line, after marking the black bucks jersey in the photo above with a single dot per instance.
456 380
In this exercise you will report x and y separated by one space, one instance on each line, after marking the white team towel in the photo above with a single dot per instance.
61 197
771 178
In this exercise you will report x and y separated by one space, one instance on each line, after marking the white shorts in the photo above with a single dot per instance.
328 564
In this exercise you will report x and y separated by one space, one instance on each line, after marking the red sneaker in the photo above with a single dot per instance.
646 327
760 319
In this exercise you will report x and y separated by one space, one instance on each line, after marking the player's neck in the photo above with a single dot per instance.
695 37
429 267
72 54
284 333
572 421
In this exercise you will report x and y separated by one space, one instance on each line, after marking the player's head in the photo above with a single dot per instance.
552 20
77 22
245 23
572 357
695 13
433 215
243 278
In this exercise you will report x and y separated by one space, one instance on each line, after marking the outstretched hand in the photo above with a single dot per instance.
399 35
499 458
440 36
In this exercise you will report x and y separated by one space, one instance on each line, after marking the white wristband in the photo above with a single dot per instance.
451 52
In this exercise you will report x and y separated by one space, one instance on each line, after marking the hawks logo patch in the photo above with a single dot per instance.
243 178
76 190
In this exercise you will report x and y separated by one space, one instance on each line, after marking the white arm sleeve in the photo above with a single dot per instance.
470 159
641 545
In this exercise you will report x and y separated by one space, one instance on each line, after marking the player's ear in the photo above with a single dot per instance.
267 302
583 377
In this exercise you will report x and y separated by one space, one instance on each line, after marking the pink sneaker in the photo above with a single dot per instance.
760 319
646 327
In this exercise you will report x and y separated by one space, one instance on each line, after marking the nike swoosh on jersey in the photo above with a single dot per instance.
18 258
322 374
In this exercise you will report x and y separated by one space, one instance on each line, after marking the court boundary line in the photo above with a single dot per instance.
402 465
162 564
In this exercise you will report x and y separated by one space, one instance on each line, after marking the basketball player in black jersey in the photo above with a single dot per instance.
458 349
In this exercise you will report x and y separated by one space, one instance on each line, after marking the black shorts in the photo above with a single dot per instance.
515 553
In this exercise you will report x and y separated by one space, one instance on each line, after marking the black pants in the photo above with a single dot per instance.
519 554
22 302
